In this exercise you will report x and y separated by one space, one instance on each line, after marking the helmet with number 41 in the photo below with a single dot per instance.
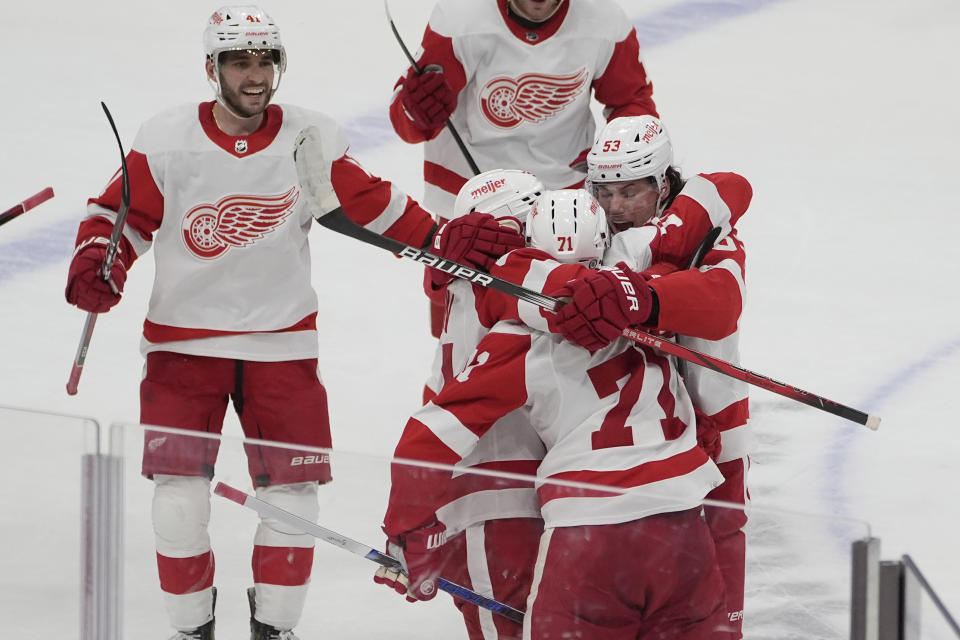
242 28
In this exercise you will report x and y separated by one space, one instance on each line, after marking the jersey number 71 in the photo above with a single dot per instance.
614 430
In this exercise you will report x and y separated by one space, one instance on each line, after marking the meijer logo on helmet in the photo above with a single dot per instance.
651 131
489 187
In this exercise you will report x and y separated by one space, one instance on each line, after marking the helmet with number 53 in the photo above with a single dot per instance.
628 169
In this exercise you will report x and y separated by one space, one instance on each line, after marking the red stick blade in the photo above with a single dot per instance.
39 198
230 493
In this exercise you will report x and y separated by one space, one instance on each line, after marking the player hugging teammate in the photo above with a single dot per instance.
595 401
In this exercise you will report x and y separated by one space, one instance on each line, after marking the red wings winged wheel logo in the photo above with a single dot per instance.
533 97
234 221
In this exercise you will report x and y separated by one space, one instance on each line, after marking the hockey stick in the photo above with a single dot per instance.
450 127
337 221
74 381
705 245
26 205
357 548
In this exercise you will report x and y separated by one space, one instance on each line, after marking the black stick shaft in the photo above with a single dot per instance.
453 130
118 224
80 358
338 221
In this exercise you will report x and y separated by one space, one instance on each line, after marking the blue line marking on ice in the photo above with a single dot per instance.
54 243
42 248
834 490
677 21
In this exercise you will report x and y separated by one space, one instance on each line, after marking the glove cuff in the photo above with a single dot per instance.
93 241
425 539
636 295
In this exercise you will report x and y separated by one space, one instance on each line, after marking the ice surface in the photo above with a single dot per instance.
842 115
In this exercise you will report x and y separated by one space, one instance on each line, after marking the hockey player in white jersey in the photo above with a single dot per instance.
631 171
508 195
215 193
470 313
638 436
493 523
516 78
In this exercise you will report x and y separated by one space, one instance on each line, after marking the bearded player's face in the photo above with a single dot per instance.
246 80
536 10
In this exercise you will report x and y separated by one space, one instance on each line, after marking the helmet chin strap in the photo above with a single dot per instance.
663 195
222 103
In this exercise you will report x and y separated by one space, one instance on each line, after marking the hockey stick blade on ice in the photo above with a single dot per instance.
338 221
87 334
358 548
26 205
413 63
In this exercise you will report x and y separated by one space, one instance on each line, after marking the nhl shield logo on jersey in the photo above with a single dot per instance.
240 146
234 221
532 97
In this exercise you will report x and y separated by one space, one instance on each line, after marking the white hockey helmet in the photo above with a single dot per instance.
243 28
629 149
500 192
570 225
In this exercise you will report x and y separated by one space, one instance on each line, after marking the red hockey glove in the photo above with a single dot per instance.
85 287
602 304
475 240
427 98
708 437
419 551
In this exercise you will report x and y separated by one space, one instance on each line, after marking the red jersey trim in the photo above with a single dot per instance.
646 473
623 87
256 141
146 200
732 416
443 178
157 333
580 160
543 31
414 226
